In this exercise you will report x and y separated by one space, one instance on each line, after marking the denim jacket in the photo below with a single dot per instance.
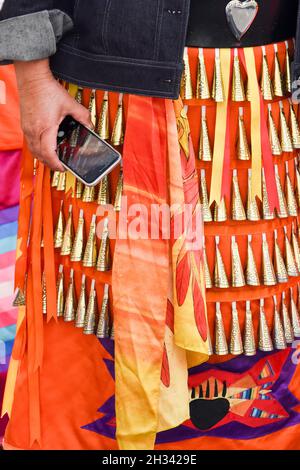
133 46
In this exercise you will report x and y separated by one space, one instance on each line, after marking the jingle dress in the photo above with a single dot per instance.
243 127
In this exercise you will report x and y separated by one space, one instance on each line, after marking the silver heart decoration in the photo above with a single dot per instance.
240 16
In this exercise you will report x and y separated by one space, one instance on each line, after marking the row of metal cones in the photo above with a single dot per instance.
285 327
288 194
101 120
276 83
276 268
286 141
74 245
100 194
85 314
84 311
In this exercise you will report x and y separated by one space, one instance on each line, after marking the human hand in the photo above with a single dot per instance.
44 103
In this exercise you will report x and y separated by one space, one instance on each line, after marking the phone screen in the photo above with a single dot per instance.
83 152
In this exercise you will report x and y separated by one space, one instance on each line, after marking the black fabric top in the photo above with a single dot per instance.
208 27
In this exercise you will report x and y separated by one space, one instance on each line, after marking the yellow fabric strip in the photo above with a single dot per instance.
12 372
70 183
10 387
220 131
72 90
254 96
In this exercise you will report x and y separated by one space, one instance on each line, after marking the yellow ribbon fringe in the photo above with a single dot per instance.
220 131
254 96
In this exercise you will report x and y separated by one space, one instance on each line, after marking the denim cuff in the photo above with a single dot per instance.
33 36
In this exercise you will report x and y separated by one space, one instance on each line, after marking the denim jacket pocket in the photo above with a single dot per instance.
138 23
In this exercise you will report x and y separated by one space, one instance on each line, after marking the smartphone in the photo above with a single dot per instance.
84 153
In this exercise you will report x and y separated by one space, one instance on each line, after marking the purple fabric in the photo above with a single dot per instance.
9 215
3 421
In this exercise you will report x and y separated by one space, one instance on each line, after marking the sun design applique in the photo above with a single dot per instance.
213 399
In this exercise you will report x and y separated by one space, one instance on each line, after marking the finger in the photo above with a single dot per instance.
81 114
48 152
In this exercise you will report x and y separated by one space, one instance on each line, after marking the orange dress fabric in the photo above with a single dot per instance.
150 367
11 137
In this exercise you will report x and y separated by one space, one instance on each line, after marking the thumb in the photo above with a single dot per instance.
48 145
